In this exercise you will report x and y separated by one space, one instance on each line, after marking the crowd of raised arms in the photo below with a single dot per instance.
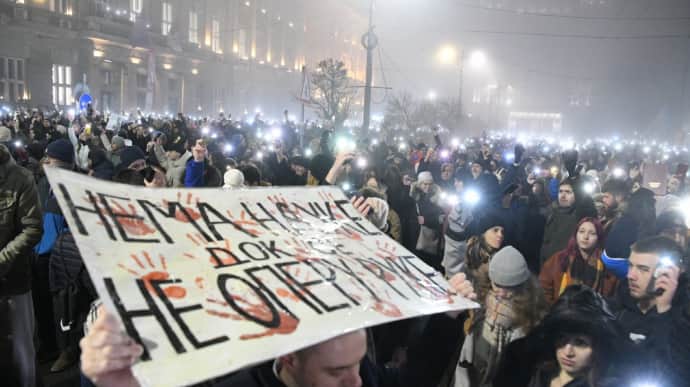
576 250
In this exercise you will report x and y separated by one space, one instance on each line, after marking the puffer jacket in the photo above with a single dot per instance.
20 225
428 206
456 235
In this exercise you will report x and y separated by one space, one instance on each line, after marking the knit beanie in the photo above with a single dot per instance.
425 176
486 220
129 155
119 141
61 150
320 165
508 268
233 179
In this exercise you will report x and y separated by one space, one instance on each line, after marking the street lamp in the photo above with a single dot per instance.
448 55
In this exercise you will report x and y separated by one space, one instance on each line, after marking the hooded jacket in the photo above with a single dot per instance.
649 334
20 225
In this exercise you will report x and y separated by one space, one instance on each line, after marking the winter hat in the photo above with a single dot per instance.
320 165
131 154
61 150
488 220
119 141
233 179
97 156
5 134
580 310
36 150
425 177
508 268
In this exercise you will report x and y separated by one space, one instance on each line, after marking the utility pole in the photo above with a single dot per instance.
369 41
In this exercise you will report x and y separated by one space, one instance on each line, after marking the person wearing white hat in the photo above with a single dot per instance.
233 179
430 218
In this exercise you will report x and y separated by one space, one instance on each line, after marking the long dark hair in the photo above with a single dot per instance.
581 311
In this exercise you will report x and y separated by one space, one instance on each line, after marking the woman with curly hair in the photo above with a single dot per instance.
511 308
579 263
487 241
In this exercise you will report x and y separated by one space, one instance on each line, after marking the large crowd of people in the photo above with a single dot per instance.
577 253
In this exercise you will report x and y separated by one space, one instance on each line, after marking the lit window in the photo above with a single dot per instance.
215 36
62 85
135 7
61 6
242 43
12 80
193 27
167 18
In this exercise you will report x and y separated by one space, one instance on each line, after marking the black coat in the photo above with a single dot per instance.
664 339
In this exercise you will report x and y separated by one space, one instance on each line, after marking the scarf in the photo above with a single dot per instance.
577 271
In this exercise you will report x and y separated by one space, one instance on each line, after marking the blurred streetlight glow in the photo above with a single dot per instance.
448 54
478 59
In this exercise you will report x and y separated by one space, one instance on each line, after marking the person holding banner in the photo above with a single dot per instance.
108 354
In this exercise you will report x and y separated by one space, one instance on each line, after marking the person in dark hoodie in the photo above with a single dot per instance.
59 154
99 165
650 302
636 222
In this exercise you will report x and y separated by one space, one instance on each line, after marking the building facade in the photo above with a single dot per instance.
192 56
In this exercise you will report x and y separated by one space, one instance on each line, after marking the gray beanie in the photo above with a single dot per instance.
119 141
508 268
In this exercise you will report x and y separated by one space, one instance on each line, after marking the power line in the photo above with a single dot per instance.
581 36
520 12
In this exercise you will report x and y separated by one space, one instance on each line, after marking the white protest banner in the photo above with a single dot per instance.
114 122
210 281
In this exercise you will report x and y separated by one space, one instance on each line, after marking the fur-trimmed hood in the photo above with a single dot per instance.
434 194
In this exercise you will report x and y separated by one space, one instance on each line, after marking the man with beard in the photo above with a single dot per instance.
615 194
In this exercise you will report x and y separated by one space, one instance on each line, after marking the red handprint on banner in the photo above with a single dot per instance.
148 271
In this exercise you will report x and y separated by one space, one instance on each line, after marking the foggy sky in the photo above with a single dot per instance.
635 83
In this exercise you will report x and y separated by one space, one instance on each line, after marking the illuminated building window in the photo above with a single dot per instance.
242 43
167 18
12 86
135 6
61 6
194 27
62 85
215 36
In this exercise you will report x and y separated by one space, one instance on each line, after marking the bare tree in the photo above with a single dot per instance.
403 112
400 112
332 94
